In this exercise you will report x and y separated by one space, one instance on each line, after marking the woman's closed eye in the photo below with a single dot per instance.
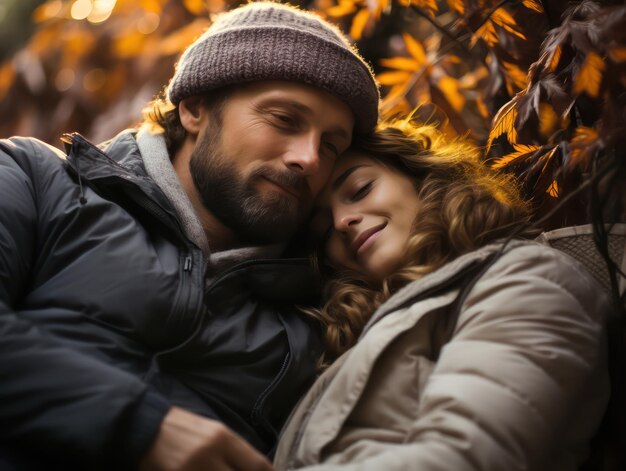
331 149
362 191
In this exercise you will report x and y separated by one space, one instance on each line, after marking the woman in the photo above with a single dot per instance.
474 351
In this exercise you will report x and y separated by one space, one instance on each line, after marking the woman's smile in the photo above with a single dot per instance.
366 239
366 214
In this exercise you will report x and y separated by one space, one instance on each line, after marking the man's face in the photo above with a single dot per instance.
260 162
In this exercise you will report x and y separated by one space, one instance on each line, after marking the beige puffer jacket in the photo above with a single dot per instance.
520 383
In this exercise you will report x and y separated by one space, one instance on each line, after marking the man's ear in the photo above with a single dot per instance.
192 113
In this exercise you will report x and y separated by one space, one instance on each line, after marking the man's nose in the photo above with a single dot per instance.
303 156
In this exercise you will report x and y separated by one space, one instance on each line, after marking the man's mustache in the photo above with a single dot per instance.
289 180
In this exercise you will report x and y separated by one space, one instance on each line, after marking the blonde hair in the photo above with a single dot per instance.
160 116
463 206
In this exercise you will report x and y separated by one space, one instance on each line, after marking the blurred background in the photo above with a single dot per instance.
538 85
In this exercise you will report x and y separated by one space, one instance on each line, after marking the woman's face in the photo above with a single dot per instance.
365 216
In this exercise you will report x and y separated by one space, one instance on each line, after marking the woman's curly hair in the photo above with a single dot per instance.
463 206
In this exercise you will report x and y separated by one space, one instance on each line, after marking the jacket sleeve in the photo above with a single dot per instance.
525 366
52 398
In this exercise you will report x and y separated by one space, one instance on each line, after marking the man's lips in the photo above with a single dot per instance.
362 239
285 189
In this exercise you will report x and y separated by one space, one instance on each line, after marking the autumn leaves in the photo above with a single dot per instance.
561 89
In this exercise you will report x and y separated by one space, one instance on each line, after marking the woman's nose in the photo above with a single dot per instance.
344 222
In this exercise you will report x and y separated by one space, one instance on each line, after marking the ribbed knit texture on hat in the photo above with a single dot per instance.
270 41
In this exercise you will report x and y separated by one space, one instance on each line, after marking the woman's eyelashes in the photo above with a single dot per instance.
362 191
331 149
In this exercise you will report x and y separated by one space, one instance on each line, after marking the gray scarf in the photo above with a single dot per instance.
159 166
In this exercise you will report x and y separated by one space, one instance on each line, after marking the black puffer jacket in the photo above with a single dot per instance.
105 320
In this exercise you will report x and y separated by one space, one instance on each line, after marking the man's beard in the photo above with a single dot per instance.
236 202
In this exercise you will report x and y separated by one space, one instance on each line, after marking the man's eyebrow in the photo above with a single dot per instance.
302 108
342 178
279 101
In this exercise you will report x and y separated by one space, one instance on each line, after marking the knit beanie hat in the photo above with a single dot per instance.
270 41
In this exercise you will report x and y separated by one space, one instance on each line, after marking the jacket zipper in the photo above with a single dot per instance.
154 208
260 402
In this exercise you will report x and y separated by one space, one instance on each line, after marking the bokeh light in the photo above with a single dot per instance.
64 79
81 9
101 11
148 23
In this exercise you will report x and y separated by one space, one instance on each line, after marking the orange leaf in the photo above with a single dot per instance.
175 42
617 54
395 100
504 122
548 120
521 151
582 140
516 79
487 33
457 5
432 43
585 135
556 57
553 189
393 78
450 88
343 8
197 7
358 23
503 18
589 76
399 108
429 5
469 81
415 48
401 63
533 5
540 158
482 108
423 95
394 94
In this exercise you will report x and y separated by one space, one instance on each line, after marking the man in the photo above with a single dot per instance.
146 318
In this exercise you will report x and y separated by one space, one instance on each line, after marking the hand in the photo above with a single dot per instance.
190 442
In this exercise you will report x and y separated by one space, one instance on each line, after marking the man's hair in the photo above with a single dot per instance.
160 116
463 206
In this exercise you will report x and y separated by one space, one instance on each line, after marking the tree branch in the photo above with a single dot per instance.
446 32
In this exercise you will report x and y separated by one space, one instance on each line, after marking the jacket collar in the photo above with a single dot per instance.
448 275
117 156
